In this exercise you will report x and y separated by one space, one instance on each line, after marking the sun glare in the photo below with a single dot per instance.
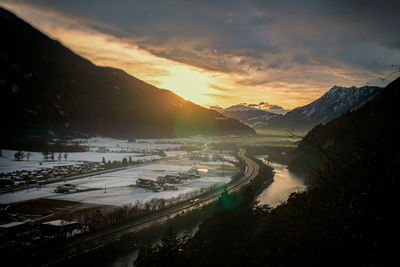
188 82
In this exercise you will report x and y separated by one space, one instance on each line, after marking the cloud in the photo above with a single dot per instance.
260 21
290 51
218 108
266 106
221 97
220 89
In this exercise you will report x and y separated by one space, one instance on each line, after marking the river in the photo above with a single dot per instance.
285 183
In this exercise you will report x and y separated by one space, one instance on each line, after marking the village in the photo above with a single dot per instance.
19 179
45 197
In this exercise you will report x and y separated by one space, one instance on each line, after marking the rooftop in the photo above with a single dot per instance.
59 223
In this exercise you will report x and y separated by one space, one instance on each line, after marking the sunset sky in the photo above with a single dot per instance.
285 53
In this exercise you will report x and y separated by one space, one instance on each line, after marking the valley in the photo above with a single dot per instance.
187 133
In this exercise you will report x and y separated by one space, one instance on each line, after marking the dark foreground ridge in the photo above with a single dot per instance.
47 89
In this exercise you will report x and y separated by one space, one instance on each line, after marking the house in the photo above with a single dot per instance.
150 184
144 183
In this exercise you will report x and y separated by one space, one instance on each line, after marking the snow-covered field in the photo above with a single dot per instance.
141 149
120 185
137 144
8 164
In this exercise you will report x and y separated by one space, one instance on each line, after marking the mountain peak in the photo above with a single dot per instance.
251 116
330 105
241 108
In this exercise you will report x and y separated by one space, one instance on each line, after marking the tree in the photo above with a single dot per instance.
52 155
65 156
124 162
19 155
45 155
130 160
169 253
103 161
28 155
170 242
59 156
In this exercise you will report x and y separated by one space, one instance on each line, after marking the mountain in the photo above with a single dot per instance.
254 117
329 106
46 90
370 127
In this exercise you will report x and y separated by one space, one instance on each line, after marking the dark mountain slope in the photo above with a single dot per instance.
46 88
370 126
326 108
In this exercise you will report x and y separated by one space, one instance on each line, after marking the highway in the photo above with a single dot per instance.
96 240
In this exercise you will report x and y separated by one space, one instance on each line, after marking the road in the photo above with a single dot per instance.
98 239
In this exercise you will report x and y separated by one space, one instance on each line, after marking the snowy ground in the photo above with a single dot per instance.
8 164
140 149
137 144
120 187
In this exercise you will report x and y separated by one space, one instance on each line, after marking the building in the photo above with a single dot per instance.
150 184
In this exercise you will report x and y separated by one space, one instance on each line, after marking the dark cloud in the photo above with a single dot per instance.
260 21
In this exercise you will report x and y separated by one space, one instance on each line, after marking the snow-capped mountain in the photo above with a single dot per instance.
333 103
251 116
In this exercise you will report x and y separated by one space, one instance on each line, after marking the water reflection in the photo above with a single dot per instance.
285 183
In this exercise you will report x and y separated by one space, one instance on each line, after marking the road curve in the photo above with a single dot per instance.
96 240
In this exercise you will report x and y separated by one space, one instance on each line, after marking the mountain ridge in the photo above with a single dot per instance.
363 126
329 106
51 90
251 116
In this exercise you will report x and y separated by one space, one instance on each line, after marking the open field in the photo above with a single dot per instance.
120 185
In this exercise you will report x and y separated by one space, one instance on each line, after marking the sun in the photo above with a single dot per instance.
187 82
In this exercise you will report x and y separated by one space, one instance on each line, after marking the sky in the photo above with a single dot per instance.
269 54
